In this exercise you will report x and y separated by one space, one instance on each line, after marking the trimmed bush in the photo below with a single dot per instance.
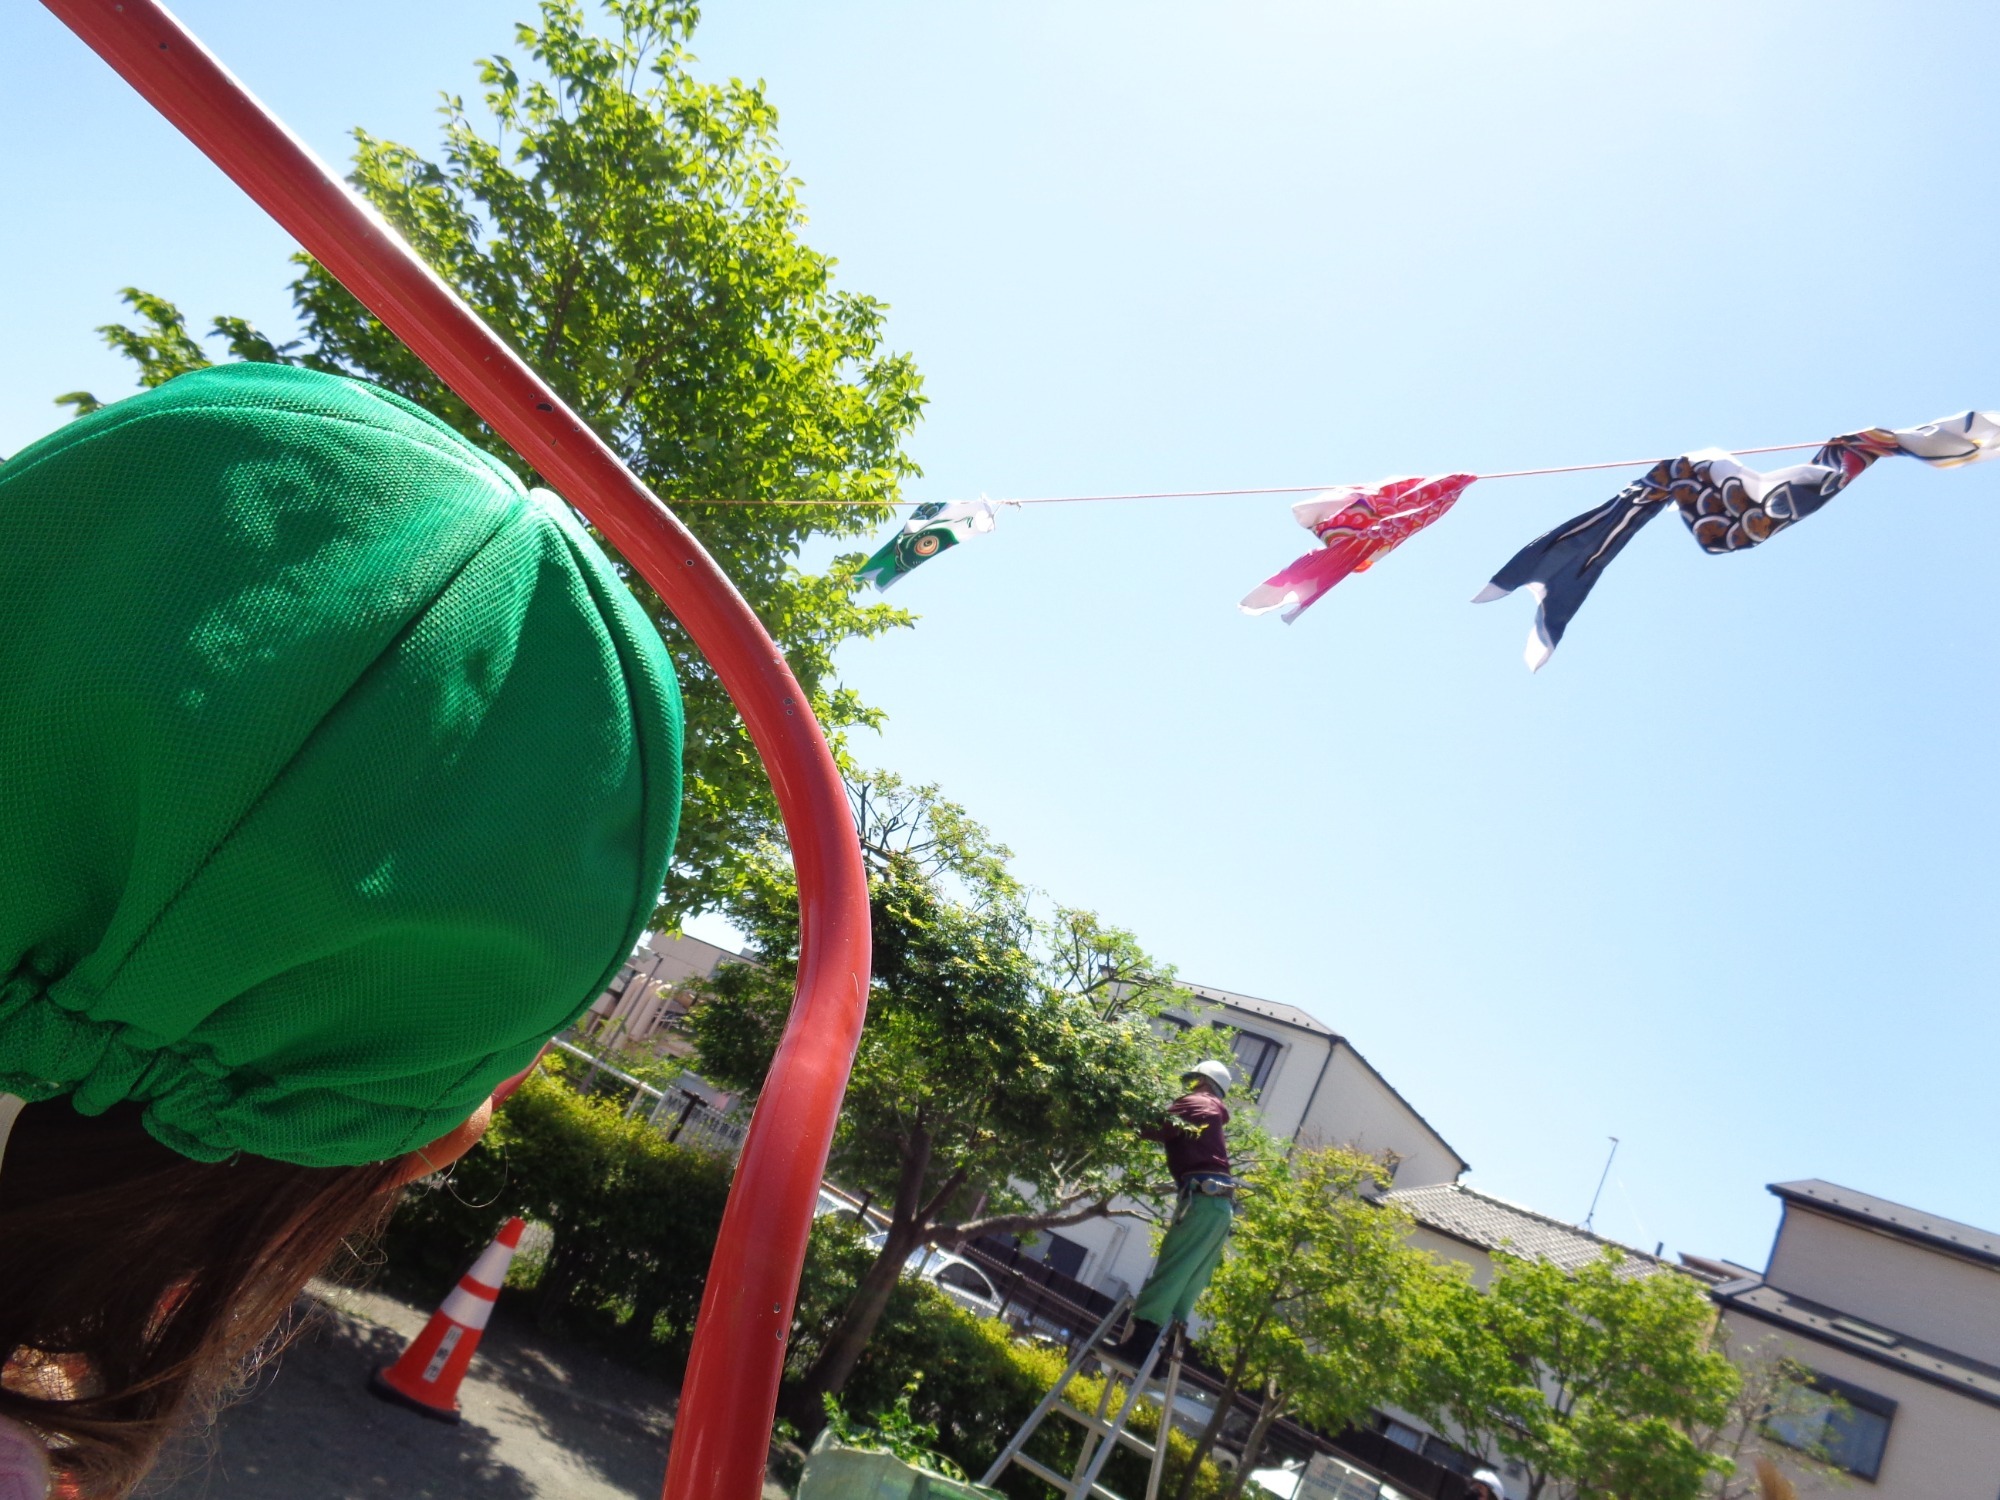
634 1218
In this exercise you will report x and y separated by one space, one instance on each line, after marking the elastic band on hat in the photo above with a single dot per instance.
11 1106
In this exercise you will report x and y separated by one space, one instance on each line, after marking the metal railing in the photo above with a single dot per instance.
678 1112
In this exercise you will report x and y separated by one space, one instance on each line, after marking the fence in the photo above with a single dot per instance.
681 1113
1036 1294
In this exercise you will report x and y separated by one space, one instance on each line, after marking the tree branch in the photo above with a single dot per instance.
942 1196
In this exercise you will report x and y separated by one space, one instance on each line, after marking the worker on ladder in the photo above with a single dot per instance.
1198 1157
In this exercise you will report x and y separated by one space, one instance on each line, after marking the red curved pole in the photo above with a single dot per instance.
723 1427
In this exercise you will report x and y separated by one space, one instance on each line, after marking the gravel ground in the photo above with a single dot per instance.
542 1419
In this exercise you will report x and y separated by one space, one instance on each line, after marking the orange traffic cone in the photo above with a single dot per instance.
426 1378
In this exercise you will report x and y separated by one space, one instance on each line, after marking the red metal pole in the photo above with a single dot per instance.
723 1428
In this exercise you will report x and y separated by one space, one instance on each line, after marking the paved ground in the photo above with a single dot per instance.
542 1419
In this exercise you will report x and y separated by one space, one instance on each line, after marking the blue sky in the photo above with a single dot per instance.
1716 881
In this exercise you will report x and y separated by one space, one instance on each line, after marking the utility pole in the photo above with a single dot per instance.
1587 1218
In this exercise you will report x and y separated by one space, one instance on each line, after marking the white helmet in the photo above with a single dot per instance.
1215 1072
1492 1481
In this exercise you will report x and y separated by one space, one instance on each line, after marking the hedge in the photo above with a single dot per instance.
634 1218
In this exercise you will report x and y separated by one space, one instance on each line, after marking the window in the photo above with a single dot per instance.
1402 1435
1066 1256
1255 1056
965 1279
1831 1419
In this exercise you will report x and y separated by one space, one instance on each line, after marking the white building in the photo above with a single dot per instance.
1310 1085
1897 1314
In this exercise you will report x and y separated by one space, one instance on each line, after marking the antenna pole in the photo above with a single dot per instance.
1600 1181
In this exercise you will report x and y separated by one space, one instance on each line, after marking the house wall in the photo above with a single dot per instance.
1322 1092
1318 1090
1353 1107
1289 1087
1444 1247
1941 1445
1881 1278
1118 1253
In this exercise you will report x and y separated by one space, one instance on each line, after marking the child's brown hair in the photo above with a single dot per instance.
137 1286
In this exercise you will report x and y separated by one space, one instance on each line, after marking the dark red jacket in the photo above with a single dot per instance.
1192 1134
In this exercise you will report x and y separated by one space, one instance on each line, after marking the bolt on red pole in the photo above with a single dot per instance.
723 1428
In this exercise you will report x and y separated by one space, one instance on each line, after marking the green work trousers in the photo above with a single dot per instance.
1188 1257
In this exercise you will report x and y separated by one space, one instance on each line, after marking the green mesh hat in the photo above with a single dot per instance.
337 770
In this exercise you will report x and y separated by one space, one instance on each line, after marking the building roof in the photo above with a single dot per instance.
1716 1270
1756 1298
1488 1223
1284 1015
1896 1219
1291 1015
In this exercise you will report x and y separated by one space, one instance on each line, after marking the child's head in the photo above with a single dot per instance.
337 772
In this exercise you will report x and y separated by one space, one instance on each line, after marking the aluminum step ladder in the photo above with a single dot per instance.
1102 1435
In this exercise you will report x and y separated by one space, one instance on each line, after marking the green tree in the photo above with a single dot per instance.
1601 1381
1008 1060
634 233
1316 1306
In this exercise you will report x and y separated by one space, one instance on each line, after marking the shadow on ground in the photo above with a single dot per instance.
541 1419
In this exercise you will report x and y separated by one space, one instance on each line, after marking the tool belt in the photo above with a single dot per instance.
1210 1184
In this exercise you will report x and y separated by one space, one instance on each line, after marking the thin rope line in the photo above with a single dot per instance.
1634 463
1261 489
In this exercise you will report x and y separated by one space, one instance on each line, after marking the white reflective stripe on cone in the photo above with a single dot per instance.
490 1270
467 1307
